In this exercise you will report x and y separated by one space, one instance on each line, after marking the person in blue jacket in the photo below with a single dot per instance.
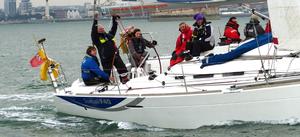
90 72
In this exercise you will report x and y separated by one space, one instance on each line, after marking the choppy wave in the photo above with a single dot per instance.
130 126
290 121
34 115
36 86
27 96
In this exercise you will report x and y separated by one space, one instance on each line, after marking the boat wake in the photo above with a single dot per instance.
130 126
291 122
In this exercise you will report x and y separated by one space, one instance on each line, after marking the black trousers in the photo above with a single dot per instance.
197 46
94 81
118 63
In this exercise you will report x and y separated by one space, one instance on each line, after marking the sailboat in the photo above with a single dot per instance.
258 81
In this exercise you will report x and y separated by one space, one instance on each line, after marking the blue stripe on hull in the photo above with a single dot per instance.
93 102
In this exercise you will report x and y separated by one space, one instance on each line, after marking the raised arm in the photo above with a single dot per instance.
94 29
114 26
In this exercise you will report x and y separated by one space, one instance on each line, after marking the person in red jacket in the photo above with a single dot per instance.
231 32
180 52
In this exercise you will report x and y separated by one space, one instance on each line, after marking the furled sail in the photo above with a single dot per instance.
285 22
241 49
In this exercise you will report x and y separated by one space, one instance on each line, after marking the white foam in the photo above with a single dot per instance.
31 115
12 108
130 126
289 121
107 122
228 123
27 97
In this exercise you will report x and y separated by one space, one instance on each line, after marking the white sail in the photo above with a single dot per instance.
285 22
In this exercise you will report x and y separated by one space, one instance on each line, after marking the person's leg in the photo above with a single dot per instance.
196 48
119 64
107 66
94 81
121 68
205 46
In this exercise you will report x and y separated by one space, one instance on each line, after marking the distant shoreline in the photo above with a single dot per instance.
62 20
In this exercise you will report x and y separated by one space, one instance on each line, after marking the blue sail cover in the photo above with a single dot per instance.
252 44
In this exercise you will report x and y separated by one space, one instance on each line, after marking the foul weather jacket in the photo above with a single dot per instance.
105 41
253 29
137 48
181 42
90 69
231 33
203 39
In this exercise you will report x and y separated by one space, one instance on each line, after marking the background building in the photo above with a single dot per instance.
10 8
25 7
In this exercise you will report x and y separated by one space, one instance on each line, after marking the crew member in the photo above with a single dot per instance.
231 32
202 38
180 52
137 45
90 72
253 28
107 49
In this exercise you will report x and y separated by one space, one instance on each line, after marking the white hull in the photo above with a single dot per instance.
262 85
235 90
189 111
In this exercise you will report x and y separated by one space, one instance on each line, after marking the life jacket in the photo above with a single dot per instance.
203 33
85 71
253 29
184 37
105 39
139 45
107 46
203 39
231 32
199 32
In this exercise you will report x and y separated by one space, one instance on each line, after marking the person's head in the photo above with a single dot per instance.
91 51
182 26
101 28
232 19
199 18
254 17
129 29
137 33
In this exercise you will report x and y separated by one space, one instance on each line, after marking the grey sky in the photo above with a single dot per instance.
52 2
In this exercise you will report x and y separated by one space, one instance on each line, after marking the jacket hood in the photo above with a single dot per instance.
254 21
232 24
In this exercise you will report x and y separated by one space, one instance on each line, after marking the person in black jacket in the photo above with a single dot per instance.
253 28
202 38
137 46
108 52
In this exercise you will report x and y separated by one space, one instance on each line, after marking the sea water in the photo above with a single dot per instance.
26 103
